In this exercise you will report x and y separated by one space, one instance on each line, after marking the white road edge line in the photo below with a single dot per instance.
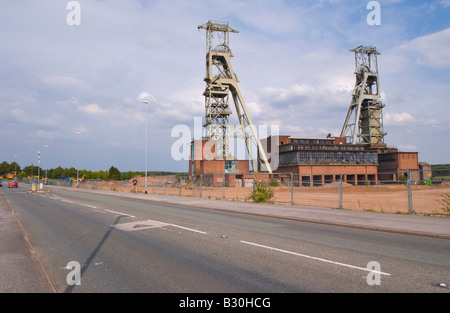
315 258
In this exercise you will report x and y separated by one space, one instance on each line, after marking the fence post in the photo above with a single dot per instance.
409 187
292 188
179 190
340 193
223 187
253 182
201 182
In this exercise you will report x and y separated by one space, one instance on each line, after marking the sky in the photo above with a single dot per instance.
64 70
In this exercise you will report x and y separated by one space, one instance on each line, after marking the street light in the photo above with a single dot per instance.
146 142
78 162
15 167
39 171
46 163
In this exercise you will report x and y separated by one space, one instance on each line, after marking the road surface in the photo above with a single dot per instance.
128 245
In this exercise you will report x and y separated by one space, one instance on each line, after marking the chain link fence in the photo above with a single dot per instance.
418 192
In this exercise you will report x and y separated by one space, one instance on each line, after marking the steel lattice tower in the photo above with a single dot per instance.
221 81
364 122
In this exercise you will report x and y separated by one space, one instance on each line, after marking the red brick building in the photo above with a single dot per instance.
393 164
312 161
203 161
318 161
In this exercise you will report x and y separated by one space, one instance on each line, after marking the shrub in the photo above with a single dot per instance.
261 193
445 201
274 182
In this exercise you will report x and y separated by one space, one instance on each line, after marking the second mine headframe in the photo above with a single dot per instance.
364 121
221 81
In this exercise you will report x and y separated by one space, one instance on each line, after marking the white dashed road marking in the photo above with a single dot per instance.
314 258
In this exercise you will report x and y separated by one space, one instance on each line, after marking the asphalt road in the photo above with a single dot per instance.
127 245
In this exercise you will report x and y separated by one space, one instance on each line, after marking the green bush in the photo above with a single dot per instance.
261 193
274 182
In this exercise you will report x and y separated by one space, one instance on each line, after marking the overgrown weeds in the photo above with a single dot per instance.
445 202
261 193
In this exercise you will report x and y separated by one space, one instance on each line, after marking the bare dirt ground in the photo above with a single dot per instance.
379 198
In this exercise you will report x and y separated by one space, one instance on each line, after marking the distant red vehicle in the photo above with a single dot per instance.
13 184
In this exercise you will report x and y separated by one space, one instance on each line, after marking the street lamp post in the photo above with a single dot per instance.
15 167
39 170
78 161
146 142
46 163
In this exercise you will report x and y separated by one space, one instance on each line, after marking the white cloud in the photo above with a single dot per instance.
61 80
398 118
408 148
292 92
431 50
445 3
93 109
46 135
180 106
254 109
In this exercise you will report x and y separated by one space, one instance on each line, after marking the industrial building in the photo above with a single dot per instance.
318 161
393 165
358 155
204 161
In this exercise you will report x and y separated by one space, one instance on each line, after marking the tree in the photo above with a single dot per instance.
4 168
31 170
57 173
15 167
114 173
129 175
71 172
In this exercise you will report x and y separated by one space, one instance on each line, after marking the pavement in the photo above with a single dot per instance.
20 268
21 271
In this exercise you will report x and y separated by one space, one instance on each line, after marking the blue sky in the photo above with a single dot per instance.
292 59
